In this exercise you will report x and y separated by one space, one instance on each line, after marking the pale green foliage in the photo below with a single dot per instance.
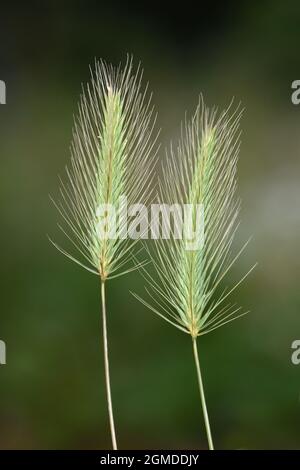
202 170
112 155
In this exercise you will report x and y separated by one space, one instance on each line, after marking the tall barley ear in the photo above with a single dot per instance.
112 155
201 173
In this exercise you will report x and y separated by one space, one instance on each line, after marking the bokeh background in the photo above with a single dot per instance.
52 389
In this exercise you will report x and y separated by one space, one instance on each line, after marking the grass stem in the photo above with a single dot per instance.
202 396
106 369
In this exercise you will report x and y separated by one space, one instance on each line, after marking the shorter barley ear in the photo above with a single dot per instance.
200 172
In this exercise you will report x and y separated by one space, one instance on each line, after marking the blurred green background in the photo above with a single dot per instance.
52 389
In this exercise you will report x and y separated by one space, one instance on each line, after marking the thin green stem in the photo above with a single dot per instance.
106 369
202 396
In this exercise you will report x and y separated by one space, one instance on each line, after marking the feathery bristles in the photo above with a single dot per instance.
201 172
112 155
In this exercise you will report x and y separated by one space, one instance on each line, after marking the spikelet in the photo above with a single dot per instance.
202 171
112 155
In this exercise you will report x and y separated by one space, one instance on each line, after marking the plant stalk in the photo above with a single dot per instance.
202 396
106 369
